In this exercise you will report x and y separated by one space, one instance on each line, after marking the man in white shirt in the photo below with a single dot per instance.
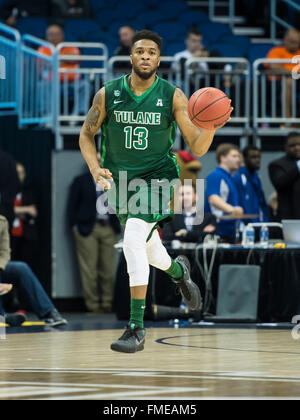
195 49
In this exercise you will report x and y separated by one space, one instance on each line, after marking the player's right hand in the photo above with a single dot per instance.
101 175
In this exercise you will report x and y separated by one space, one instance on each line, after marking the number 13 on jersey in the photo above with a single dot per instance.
137 138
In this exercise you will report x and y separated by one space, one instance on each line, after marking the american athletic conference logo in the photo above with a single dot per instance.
2 67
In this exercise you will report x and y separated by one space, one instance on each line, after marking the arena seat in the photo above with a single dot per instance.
32 25
81 30
106 16
193 18
113 30
174 47
259 51
151 4
135 8
98 6
170 30
148 19
213 31
173 9
242 42
226 50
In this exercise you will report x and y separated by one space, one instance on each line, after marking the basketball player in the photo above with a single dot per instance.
138 115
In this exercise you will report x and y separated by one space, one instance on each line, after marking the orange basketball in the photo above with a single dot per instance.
208 108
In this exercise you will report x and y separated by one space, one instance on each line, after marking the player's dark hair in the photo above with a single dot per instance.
146 34
249 149
224 149
291 135
194 31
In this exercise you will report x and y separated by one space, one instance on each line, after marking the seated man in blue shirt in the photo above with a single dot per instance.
221 195
247 181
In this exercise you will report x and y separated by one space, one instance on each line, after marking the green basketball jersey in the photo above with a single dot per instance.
138 131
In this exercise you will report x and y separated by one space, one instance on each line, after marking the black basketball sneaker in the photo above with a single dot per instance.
188 289
132 340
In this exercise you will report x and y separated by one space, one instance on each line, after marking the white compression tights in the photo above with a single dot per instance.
139 254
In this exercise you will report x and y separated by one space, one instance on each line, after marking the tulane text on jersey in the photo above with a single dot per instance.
130 117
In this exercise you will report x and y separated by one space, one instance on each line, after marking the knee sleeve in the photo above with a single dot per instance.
134 247
157 254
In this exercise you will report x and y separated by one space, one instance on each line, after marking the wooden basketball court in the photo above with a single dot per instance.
182 363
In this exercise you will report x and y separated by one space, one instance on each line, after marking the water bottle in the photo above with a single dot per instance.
249 237
264 236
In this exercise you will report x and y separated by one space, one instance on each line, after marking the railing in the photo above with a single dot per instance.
45 92
78 76
9 57
274 97
36 101
232 75
169 69
231 11
274 19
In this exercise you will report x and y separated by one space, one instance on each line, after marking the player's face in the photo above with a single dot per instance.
253 160
145 58
293 147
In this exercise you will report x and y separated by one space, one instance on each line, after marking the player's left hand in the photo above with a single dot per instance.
101 177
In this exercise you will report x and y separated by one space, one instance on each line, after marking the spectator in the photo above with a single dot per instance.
55 36
273 207
95 235
11 319
182 226
24 231
289 49
8 186
4 245
195 49
285 176
62 10
20 273
126 34
247 181
11 10
221 195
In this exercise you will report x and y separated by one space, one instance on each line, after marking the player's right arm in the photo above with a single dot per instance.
91 125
